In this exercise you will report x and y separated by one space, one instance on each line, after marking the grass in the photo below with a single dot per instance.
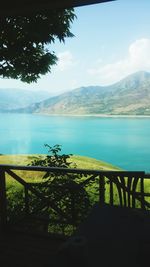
80 161
93 164
30 176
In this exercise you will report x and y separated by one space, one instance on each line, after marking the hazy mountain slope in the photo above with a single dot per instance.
11 98
132 95
129 96
76 101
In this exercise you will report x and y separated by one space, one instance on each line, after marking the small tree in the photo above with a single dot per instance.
53 159
63 190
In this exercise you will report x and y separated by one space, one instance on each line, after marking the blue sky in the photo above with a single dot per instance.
112 40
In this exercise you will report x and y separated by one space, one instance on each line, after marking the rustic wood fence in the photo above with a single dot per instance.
124 188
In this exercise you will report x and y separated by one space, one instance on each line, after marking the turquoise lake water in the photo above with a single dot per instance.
124 142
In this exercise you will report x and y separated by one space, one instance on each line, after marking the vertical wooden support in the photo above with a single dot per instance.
123 190
73 212
3 203
26 200
101 190
129 189
142 193
111 200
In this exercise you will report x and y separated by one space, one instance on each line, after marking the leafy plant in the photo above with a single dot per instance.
67 201
54 159
15 202
57 203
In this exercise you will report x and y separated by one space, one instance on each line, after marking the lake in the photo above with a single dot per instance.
124 142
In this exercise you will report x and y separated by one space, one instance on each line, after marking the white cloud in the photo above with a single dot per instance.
65 60
138 58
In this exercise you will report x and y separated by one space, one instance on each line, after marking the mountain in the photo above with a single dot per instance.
130 96
11 98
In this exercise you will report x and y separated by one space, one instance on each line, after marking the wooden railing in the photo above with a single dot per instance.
124 188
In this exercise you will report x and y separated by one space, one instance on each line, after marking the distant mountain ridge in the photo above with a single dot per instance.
13 98
130 96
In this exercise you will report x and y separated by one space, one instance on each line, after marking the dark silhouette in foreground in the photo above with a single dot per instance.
111 236
73 217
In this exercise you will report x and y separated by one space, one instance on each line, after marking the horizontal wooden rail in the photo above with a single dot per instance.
6 167
147 175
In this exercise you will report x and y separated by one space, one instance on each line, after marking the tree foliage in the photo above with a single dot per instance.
53 158
24 43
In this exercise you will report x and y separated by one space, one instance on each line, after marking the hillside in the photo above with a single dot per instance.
12 98
80 161
130 96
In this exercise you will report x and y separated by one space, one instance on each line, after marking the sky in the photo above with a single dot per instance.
112 40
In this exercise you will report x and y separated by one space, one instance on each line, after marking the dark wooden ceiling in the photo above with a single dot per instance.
22 7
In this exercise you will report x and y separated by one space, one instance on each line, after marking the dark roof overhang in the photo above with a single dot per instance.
18 7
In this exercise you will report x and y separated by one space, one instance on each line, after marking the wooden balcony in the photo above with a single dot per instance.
41 211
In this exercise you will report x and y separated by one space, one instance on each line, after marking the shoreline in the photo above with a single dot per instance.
81 115
92 115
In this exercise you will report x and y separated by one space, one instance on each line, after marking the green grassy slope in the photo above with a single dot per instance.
80 161
33 176
91 163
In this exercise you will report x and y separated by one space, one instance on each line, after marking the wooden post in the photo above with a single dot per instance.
142 193
26 200
3 204
73 214
101 190
111 200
